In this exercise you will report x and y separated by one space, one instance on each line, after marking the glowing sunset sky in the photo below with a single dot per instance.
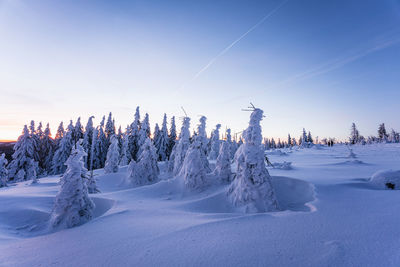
314 64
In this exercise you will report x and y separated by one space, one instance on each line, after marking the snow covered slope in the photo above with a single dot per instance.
332 217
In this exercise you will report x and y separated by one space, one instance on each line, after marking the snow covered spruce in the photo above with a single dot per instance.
223 165
145 170
193 169
73 206
179 150
252 189
113 156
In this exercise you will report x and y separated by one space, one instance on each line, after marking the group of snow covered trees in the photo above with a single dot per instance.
382 137
305 140
37 154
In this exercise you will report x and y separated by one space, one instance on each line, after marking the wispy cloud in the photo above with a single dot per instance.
226 49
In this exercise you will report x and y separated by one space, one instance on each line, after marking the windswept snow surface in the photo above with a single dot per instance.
332 217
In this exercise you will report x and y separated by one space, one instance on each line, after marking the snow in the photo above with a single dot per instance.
332 216
386 179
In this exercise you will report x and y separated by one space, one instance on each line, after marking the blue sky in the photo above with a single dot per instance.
314 64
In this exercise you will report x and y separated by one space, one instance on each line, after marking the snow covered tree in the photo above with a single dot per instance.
201 137
145 170
171 137
102 144
354 134
193 171
63 151
215 142
73 206
125 153
59 135
230 143
310 140
23 165
144 132
35 140
77 133
252 187
161 142
223 165
112 156
46 150
87 141
133 136
382 132
289 141
303 140
394 137
180 148
110 127
3 170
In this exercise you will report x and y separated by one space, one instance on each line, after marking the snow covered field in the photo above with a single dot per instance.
332 217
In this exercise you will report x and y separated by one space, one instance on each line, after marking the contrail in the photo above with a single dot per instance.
226 49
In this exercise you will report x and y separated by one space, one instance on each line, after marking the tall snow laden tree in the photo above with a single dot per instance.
354 135
161 141
87 141
63 151
133 136
193 171
77 133
382 132
304 140
201 137
109 128
102 145
73 206
145 170
171 137
125 153
289 141
3 170
310 140
112 156
223 165
59 135
46 150
179 151
252 188
23 165
215 142
230 143
144 133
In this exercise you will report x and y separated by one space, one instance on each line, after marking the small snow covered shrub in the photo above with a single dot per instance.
73 206
3 170
145 170
252 188
386 179
193 170
112 161
223 165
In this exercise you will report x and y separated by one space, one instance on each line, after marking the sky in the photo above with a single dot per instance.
315 64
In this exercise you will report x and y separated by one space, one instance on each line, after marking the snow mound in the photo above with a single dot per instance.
286 165
351 162
292 195
386 179
277 152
